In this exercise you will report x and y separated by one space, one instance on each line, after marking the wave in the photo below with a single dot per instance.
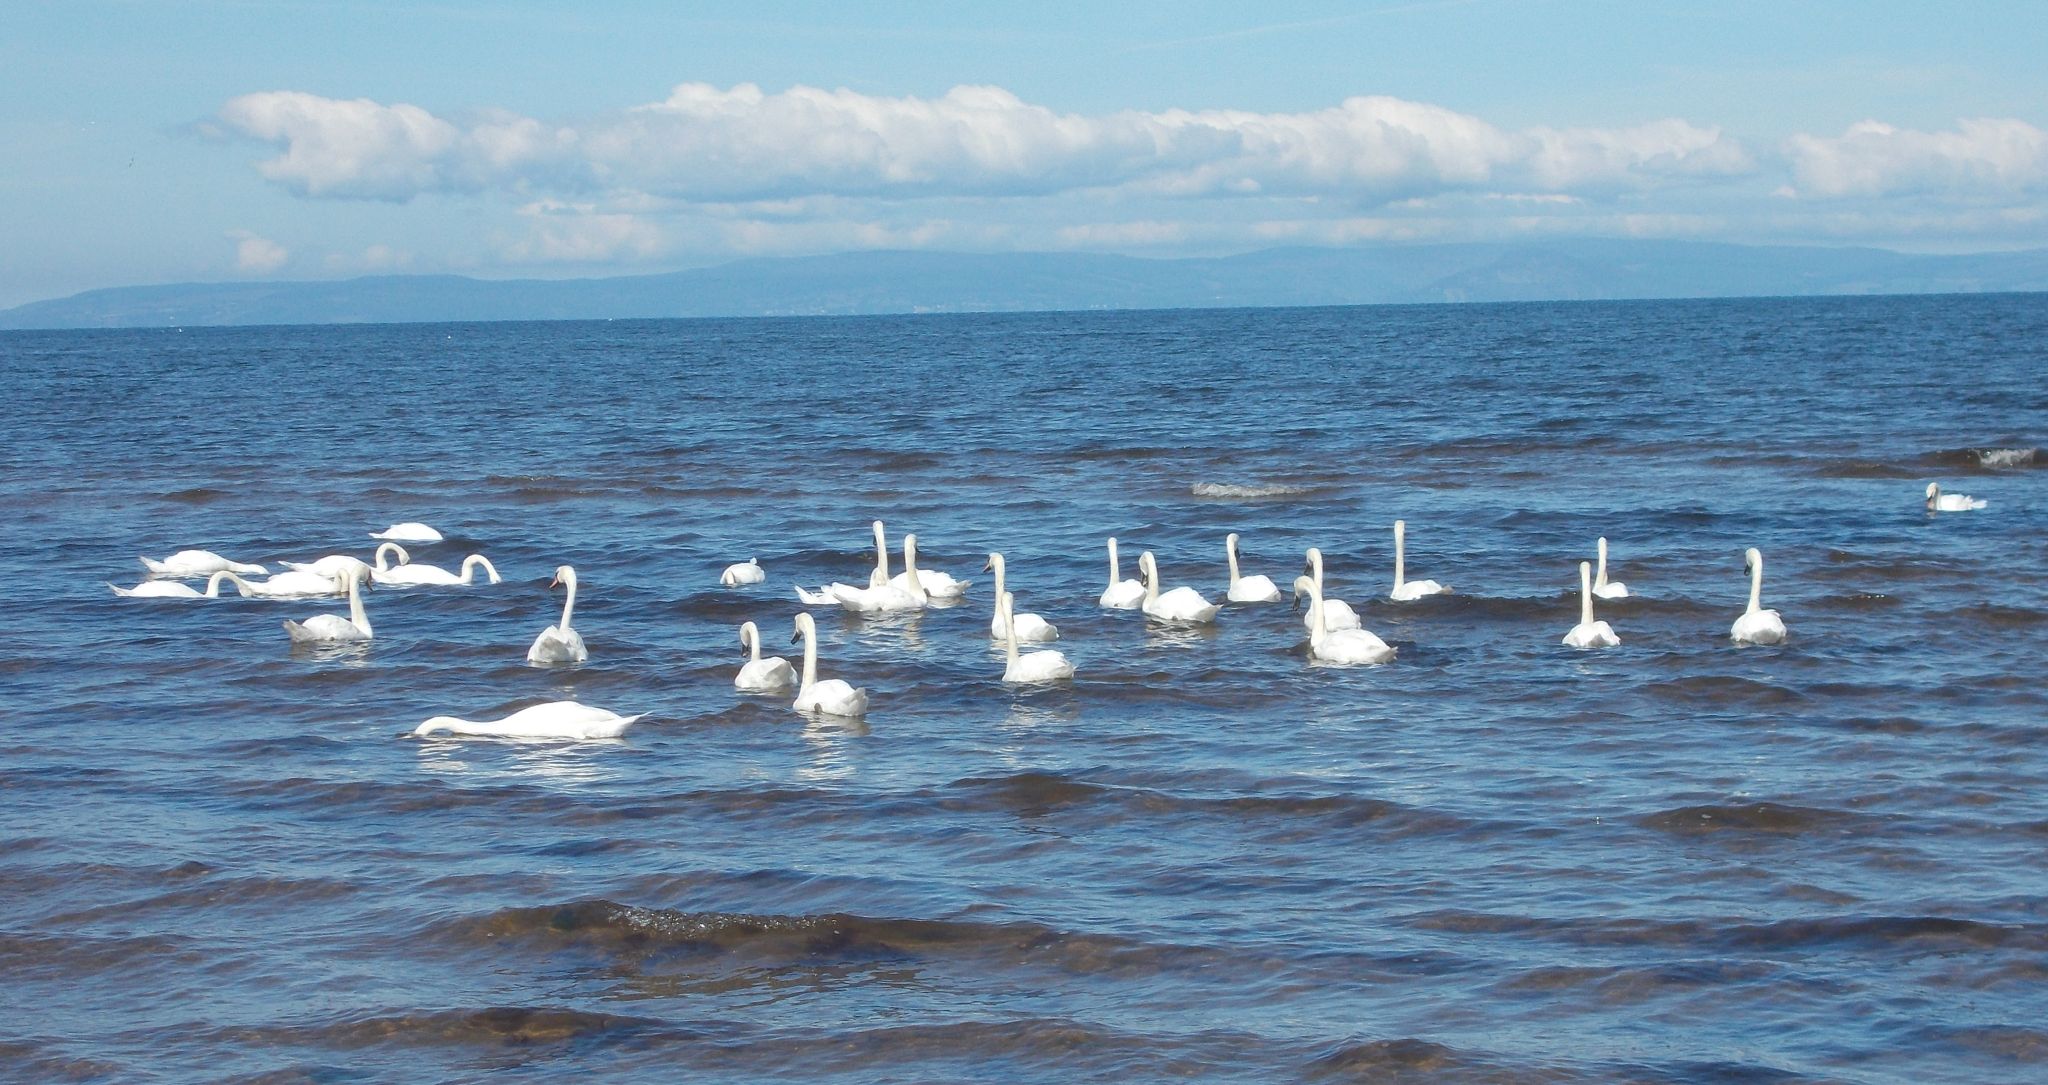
1997 458
1759 817
1988 459
1230 490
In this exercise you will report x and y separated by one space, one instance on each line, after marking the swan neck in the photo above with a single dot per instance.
810 662
1230 548
213 583
751 637
1315 616
385 551
910 570
356 616
1585 594
469 566
1151 571
1114 571
1400 556
996 562
568 604
1009 627
1756 585
1600 574
881 553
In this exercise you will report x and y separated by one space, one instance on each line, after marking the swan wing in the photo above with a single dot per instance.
554 645
1123 595
1254 589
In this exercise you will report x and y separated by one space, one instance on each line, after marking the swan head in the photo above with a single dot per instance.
994 559
909 547
750 635
1230 540
805 627
1933 493
1312 561
1752 559
1303 586
564 577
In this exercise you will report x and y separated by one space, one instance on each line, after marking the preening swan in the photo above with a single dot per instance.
1026 627
1121 594
1589 633
1247 589
1182 604
830 697
772 673
1603 587
410 575
199 563
1757 625
746 572
1941 502
1337 645
324 628
555 719
1046 666
171 589
1337 614
1406 590
559 643
928 582
411 531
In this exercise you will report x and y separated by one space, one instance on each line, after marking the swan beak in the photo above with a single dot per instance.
796 636
987 565
555 583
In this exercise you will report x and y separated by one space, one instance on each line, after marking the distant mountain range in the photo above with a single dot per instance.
916 282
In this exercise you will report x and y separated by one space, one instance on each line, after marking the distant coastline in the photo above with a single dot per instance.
886 282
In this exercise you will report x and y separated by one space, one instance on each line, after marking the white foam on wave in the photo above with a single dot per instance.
1227 489
2007 457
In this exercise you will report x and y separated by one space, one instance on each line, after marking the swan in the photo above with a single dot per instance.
1121 594
1406 590
171 589
200 563
554 719
1603 587
746 572
879 578
1249 589
1046 666
328 628
772 673
831 697
411 531
1941 502
332 565
409 575
559 643
1337 614
1337 645
1026 627
1589 633
1757 625
927 582
291 584
1182 604
887 599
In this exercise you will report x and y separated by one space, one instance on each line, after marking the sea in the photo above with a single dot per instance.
1206 857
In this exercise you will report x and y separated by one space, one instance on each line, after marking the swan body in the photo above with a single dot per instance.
1026 627
1182 604
171 589
1338 645
773 673
199 563
1337 614
291 584
1757 625
1589 633
331 628
1247 589
554 719
332 565
559 643
746 572
831 697
1603 587
411 531
1030 667
1941 502
927 582
1406 590
1121 594
887 599
409 575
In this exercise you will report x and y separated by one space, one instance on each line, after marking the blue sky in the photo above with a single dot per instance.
151 142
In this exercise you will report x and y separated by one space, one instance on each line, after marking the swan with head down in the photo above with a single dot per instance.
565 720
411 531
199 563
743 573
171 589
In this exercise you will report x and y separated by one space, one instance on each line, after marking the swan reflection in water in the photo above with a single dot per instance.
829 739
564 766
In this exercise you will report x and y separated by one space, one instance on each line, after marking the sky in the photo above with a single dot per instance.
215 140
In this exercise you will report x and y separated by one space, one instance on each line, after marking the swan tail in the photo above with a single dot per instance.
298 633
152 566
814 598
119 590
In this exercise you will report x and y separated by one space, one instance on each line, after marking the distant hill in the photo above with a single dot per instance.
913 282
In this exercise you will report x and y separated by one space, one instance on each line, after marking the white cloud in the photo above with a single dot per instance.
257 255
565 233
1981 156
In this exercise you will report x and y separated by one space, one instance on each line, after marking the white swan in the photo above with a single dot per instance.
411 531
1046 666
560 643
887 599
1182 604
831 697
1941 502
324 628
291 584
171 589
409 575
1757 625
555 719
772 673
1337 645
879 578
1121 594
746 572
1026 627
1337 614
1406 590
1247 589
928 582
332 565
199 563
1589 633
1603 587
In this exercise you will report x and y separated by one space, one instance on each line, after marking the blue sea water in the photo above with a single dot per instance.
1495 859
